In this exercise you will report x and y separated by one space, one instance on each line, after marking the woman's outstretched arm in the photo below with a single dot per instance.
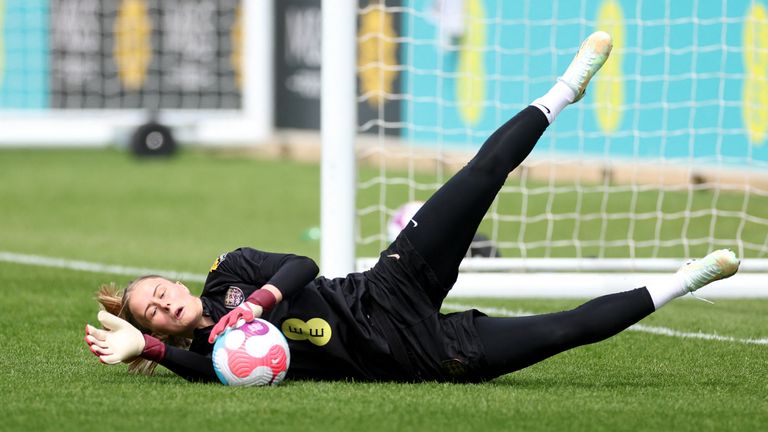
119 341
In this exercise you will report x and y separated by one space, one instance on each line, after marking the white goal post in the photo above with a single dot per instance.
337 123
665 159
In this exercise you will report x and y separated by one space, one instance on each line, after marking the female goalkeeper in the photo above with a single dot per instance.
385 323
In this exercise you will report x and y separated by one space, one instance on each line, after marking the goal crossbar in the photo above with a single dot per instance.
585 278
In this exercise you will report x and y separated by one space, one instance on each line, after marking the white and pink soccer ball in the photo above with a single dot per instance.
401 217
251 354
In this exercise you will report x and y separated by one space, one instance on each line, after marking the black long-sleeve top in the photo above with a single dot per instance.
327 322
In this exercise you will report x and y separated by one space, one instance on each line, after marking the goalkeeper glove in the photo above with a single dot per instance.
257 303
119 341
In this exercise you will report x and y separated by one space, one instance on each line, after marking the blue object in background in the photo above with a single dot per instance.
24 62
682 71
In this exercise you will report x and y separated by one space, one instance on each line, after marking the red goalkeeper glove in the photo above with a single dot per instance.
257 303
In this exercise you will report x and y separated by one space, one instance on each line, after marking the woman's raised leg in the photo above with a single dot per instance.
514 343
442 230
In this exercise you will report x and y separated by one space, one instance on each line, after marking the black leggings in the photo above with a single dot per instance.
449 219
447 223
515 343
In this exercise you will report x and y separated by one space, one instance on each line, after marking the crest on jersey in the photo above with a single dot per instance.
233 297
218 261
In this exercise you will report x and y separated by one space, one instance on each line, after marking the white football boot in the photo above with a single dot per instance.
593 53
719 264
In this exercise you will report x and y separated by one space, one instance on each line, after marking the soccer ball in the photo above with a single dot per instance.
251 354
401 217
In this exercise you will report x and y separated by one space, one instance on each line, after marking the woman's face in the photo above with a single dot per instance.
165 307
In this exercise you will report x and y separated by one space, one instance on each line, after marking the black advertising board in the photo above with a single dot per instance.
145 54
298 53
298 58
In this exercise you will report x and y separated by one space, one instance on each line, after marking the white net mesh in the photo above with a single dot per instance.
666 156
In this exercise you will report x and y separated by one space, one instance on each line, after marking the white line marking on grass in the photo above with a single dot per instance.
93 267
662 331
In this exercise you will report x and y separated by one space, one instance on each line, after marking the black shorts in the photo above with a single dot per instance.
406 298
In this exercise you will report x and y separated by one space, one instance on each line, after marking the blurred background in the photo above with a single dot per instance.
161 133
151 136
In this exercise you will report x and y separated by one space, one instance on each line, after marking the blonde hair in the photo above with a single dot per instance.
115 301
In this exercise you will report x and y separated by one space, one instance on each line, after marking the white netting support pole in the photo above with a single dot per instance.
338 127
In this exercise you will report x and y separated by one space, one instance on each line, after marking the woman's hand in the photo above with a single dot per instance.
119 341
247 311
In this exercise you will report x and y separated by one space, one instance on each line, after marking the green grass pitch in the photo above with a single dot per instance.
103 206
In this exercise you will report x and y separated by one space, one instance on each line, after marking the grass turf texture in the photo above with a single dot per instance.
179 214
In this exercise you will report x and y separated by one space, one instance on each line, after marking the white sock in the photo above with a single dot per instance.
555 100
668 290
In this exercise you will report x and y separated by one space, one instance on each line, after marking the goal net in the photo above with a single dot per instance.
666 158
